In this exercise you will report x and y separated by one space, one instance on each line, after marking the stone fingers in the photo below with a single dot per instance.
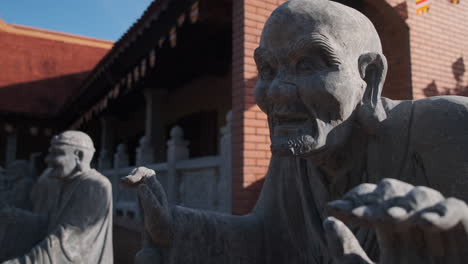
353 208
137 176
445 228
143 175
342 243
391 188
400 208
367 204
442 216
389 202
416 224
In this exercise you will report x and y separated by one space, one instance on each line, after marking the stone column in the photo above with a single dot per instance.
121 160
224 190
107 143
177 149
154 123
11 145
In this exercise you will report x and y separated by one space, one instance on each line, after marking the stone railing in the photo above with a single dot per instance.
202 183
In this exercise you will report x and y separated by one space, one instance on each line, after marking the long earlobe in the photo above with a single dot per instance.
373 70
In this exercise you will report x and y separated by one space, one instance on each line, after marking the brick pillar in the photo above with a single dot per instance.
250 135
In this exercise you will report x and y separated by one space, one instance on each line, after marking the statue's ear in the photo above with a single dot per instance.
373 70
79 155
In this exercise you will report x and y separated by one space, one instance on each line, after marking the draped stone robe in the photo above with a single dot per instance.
422 142
76 221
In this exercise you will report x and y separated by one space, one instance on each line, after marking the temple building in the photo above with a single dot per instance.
189 63
175 93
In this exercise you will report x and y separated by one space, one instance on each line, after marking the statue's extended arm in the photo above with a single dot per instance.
413 224
184 235
207 237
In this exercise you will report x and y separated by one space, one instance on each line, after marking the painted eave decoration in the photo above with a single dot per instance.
423 6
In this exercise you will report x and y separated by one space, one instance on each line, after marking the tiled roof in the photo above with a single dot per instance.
41 68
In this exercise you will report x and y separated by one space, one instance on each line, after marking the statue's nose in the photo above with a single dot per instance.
282 91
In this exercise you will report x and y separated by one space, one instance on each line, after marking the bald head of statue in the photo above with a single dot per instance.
321 70
70 153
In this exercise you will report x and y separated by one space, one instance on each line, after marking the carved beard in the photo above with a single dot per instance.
300 145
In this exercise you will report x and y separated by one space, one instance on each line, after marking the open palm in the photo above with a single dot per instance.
413 224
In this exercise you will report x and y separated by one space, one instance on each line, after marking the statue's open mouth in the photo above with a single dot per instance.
293 133
290 118
288 123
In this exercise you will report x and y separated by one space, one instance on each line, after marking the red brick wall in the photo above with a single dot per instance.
251 143
439 49
390 23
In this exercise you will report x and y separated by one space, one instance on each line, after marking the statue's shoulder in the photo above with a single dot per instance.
433 111
441 101
439 121
441 111
95 178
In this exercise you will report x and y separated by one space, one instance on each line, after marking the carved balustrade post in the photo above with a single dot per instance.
121 159
144 152
177 149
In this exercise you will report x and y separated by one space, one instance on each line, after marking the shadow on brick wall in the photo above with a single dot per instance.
458 70
44 97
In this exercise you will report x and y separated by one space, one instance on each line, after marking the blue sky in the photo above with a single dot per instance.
104 19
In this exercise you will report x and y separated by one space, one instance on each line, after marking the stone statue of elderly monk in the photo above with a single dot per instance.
321 71
72 216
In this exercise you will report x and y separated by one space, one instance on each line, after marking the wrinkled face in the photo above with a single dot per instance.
309 86
63 160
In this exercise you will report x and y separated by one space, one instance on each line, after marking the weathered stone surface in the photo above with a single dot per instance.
144 152
413 224
71 220
321 72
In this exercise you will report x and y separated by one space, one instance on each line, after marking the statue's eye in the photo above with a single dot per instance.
266 72
310 65
306 65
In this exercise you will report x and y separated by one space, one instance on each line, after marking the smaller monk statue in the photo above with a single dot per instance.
71 220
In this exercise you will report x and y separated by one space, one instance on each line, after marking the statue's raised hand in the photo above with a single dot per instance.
413 224
156 211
